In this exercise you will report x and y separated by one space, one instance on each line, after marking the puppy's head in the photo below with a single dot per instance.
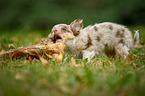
64 32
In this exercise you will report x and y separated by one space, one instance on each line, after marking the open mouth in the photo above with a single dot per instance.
56 38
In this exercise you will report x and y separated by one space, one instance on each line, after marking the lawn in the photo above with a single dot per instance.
102 76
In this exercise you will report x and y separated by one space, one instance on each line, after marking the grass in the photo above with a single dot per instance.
103 76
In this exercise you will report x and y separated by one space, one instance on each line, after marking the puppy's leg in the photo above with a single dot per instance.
122 50
88 53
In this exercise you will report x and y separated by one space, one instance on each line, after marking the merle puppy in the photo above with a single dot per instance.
110 38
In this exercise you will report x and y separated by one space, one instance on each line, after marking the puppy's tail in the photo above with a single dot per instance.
136 38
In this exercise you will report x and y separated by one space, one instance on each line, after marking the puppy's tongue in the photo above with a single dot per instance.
58 40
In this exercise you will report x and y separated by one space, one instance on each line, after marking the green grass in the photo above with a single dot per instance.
101 77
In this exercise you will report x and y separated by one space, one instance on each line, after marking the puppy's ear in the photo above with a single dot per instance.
76 26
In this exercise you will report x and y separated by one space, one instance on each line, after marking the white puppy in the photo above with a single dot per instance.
85 43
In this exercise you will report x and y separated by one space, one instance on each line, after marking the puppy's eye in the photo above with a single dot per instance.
63 29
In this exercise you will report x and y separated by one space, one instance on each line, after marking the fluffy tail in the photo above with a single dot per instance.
136 38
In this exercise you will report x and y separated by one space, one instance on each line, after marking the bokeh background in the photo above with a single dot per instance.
43 14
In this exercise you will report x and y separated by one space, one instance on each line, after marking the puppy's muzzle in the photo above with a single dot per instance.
56 38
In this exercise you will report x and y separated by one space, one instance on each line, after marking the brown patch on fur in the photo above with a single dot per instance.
123 30
76 33
119 34
121 41
89 42
79 48
98 38
110 52
110 27
95 28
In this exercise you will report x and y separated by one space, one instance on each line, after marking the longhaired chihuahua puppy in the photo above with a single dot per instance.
110 38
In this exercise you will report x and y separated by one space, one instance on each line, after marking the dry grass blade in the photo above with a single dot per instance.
11 46
73 62
44 61
17 65
140 46
3 46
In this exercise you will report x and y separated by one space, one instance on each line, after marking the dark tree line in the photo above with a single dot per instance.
43 14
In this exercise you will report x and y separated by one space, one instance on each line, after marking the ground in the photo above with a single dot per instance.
102 76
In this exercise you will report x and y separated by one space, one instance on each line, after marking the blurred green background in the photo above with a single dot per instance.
43 14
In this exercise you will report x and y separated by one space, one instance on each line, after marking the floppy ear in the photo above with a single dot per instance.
76 26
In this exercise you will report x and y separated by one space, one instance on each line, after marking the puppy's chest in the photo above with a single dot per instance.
70 48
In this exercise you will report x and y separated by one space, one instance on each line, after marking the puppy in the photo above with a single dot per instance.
110 38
